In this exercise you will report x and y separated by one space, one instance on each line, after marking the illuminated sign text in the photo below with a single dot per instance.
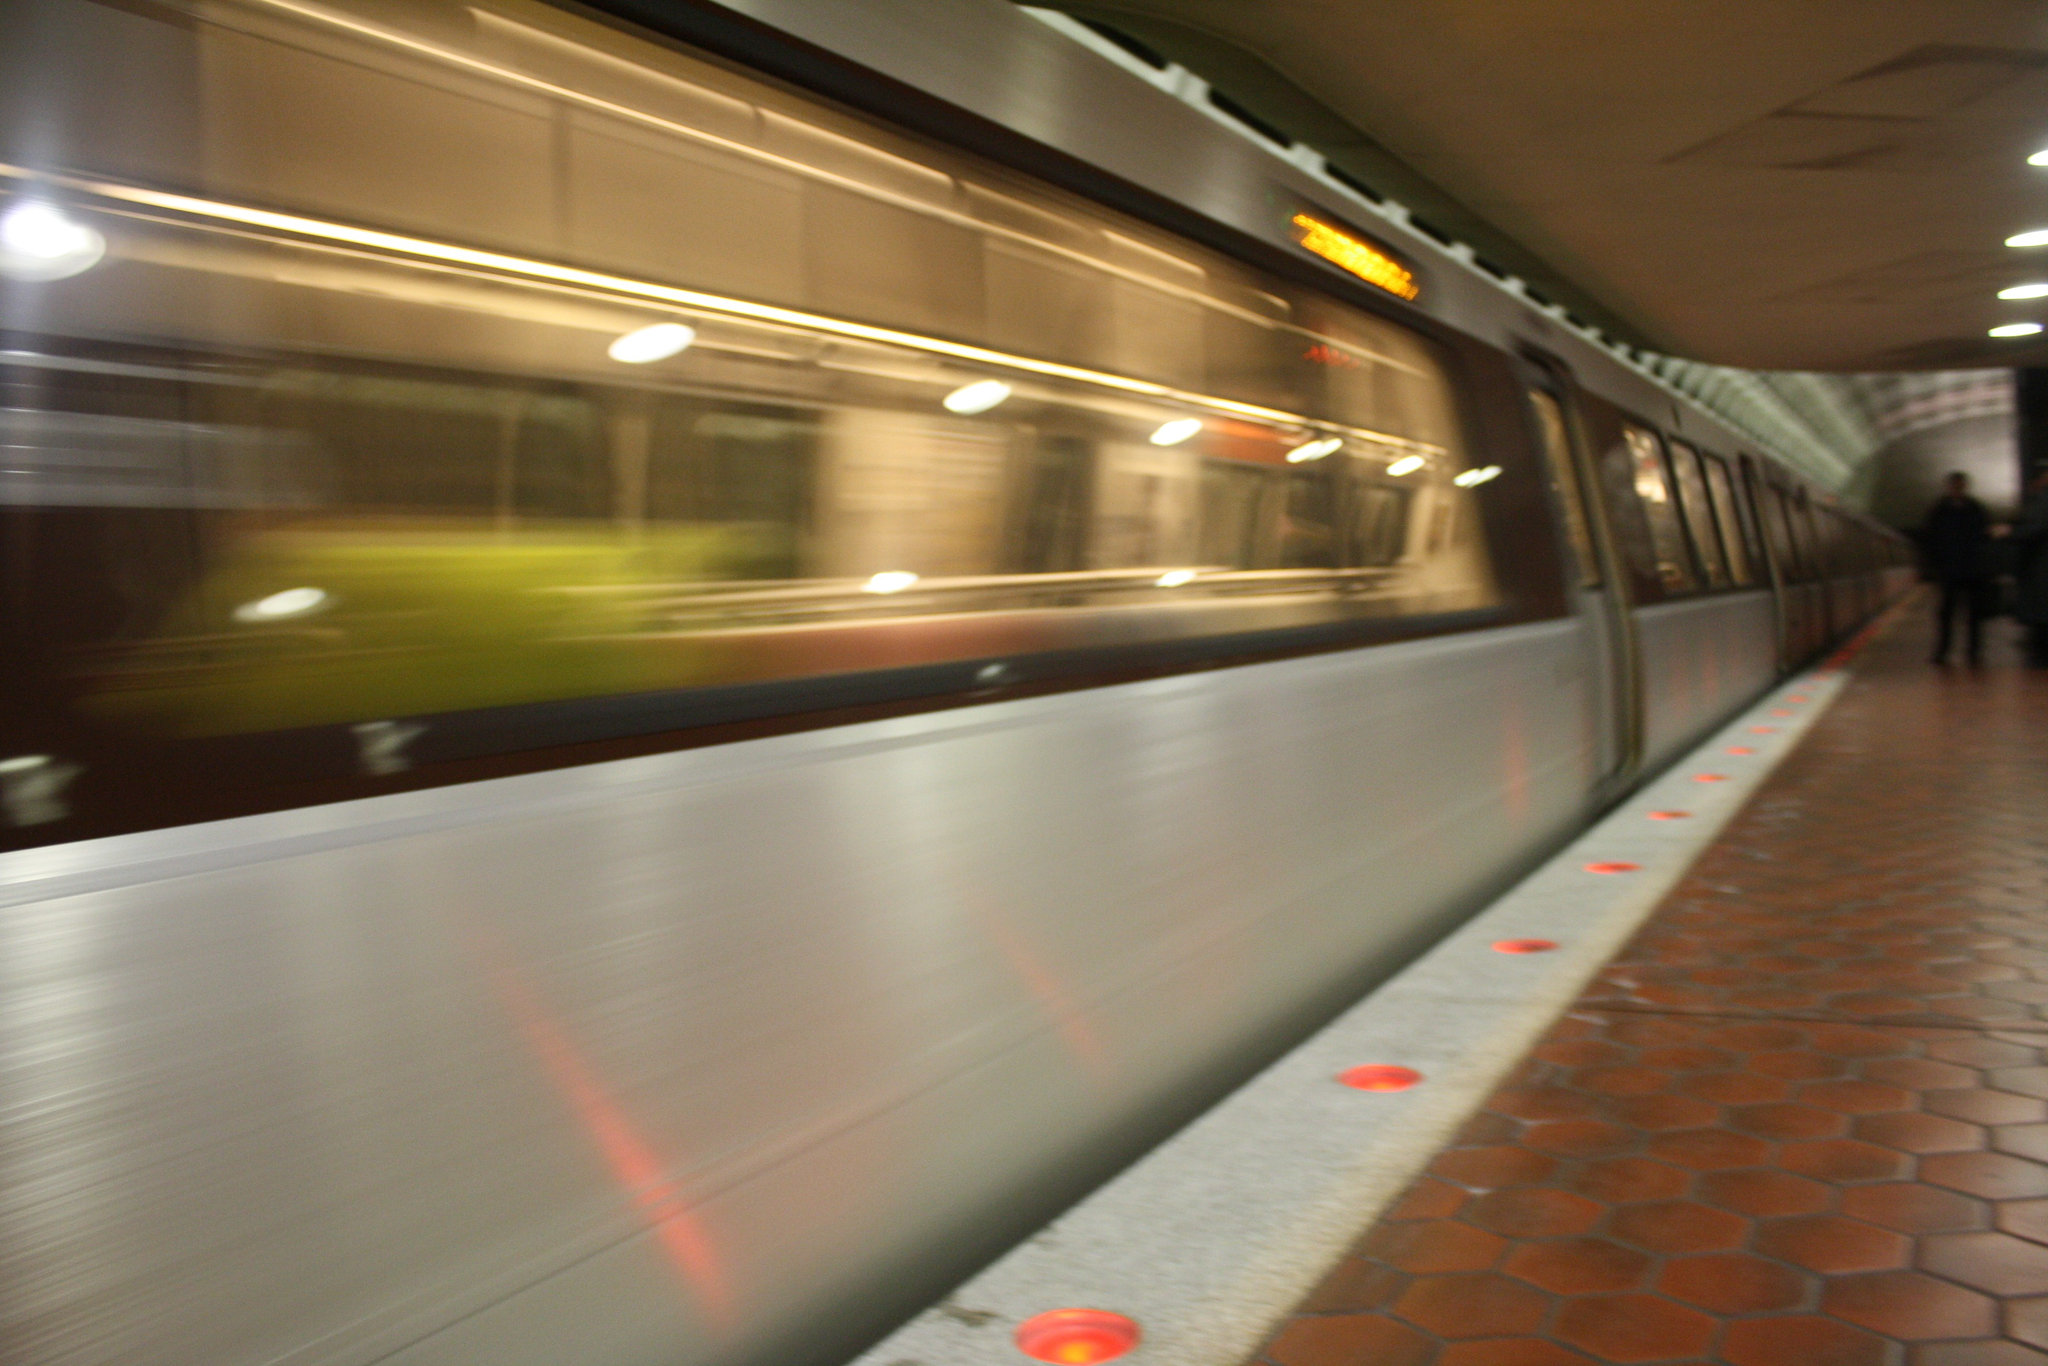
1360 257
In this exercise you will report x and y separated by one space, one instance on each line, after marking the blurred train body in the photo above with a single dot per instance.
646 712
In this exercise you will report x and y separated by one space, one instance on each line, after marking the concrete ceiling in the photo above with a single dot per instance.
1771 184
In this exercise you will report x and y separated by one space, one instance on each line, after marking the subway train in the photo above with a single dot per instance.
671 668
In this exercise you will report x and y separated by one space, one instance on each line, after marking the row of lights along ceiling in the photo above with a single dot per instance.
2037 237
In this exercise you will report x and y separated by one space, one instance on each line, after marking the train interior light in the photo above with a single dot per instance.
1315 450
1174 578
644 345
2035 237
1407 464
977 397
2036 290
2015 330
39 241
1472 479
890 581
292 602
1174 432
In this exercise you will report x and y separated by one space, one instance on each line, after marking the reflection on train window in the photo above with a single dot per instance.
1699 517
1734 535
622 372
1564 483
1653 490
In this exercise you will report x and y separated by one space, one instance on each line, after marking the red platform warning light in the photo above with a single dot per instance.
1740 749
1524 945
1379 1076
1670 815
1779 711
1797 697
1710 777
1076 1337
1763 730
1612 867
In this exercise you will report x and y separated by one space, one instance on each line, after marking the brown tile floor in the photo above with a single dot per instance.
1803 1119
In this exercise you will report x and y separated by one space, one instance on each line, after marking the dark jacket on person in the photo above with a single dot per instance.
1956 539
2030 554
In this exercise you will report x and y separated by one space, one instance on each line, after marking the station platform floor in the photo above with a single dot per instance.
1802 1119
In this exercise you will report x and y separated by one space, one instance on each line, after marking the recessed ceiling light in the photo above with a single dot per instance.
2038 237
2034 291
646 344
2016 330
2039 158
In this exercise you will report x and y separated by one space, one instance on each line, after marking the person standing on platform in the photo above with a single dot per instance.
2030 546
1956 541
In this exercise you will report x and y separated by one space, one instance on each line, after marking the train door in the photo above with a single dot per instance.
1776 546
1599 590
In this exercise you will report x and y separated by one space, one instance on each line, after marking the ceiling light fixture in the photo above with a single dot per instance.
977 397
2039 158
40 242
1315 450
2030 291
2016 330
653 343
1407 464
2037 237
292 602
1174 432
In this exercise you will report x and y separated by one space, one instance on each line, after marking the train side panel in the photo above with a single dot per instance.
678 1053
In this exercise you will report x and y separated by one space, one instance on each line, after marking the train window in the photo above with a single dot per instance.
1743 476
1698 514
1653 490
518 361
1564 482
1722 492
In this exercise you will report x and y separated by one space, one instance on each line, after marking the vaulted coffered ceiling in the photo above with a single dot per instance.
1771 184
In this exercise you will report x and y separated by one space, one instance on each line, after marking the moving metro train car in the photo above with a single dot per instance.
662 686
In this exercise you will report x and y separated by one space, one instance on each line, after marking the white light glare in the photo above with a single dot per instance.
2039 158
2036 238
2035 291
889 581
1174 578
1472 479
1315 450
38 241
1407 464
977 397
1174 432
292 602
2016 330
657 341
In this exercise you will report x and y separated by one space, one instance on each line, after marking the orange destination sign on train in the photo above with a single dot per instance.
1349 252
